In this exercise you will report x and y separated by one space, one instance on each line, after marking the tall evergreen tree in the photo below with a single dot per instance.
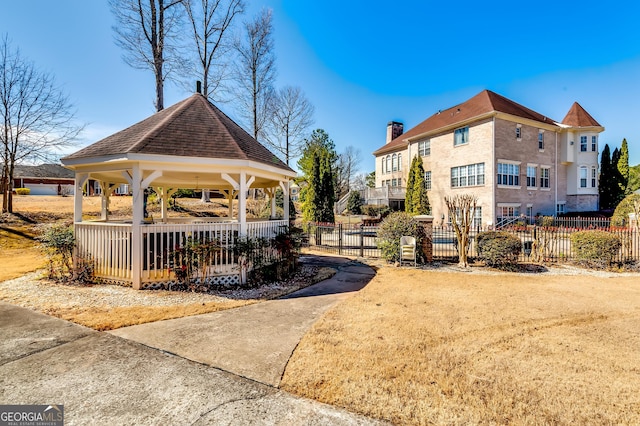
623 168
317 165
408 199
606 178
420 198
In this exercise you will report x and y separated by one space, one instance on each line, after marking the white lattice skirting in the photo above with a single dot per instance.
217 280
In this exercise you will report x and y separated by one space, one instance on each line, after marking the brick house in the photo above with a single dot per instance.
515 160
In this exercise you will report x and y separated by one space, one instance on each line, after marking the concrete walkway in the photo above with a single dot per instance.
103 379
254 341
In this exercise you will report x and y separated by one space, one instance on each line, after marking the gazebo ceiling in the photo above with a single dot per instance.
192 142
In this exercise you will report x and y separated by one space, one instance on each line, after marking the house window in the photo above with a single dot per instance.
594 143
540 140
583 144
531 176
508 174
560 209
388 164
383 169
424 148
394 162
583 177
394 182
399 161
509 211
427 180
518 133
544 177
594 176
477 217
461 136
470 175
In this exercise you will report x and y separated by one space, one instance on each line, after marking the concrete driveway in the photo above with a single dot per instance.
101 378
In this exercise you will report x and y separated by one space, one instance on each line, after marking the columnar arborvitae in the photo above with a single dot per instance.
420 198
605 182
408 198
623 168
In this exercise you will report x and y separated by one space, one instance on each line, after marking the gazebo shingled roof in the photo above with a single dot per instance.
193 127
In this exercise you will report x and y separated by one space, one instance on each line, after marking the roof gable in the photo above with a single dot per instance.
579 117
193 127
483 103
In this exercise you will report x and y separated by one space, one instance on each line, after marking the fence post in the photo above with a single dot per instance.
361 240
340 238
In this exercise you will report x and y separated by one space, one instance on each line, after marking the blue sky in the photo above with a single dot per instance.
364 63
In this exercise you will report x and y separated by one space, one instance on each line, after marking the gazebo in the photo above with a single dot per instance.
189 145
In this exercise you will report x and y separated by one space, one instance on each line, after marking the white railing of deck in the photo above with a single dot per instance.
266 229
160 240
107 246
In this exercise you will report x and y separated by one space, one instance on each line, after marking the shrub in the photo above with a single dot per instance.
621 214
23 191
375 210
595 249
58 242
393 227
499 249
354 203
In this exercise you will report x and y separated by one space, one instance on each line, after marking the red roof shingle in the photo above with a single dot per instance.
483 103
193 127
579 117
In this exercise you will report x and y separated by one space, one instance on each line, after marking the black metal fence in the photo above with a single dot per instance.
539 243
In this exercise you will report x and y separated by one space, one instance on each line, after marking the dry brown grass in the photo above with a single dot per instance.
425 347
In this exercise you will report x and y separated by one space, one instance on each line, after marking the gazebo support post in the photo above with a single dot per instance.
242 204
136 237
81 178
285 191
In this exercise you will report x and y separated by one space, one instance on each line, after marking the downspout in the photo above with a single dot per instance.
493 170
556 178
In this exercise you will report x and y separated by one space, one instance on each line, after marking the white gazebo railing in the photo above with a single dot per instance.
109 248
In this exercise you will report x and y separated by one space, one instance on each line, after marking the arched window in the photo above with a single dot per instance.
394 162
583 177
383 169
399 161
388 163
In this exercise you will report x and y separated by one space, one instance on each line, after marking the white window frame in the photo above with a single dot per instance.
461 136
399 162
541 140
583 144
531 178
594 177
460 175
545 179
518 132
583 176
508 174
427 180
388 163
424 148
594 144
561 208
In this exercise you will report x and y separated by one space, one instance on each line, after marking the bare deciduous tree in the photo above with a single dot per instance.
210 21
347 168
36 118
255 72
461 210
291 118
149 33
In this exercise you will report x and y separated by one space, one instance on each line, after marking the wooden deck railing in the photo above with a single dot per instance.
109 246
